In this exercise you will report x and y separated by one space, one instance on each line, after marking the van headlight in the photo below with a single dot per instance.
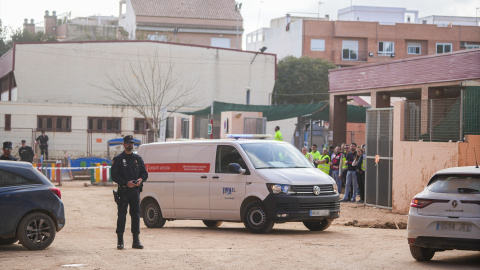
335 188
279 189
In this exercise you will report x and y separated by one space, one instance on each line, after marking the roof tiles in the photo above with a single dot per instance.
198 9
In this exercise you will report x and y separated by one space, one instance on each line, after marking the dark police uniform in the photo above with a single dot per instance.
7 145
43 140
26 153
127 167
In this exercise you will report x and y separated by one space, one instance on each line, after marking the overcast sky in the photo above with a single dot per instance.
256 13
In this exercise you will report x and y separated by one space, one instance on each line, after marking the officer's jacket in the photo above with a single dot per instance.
128 167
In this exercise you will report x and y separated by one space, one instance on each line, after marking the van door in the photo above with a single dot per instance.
191 188
227 190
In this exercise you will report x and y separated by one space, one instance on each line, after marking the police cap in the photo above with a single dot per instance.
23 141
7 145
128 139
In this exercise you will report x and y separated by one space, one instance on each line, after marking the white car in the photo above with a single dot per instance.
446 214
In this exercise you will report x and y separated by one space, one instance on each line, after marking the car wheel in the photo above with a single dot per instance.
8 241
152 215
319 225
212 223
36 231
256 218
421 253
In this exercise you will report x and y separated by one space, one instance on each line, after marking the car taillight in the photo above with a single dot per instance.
421 203
56 191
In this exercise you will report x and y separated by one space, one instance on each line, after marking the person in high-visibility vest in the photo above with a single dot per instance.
307 154
361 162
324 162
315 154
335 166
278 135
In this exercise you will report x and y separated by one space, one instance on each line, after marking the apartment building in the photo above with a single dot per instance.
216 23
365 35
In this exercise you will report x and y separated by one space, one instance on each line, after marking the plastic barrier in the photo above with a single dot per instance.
51 170
100 174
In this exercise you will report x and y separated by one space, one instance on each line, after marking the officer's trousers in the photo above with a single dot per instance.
129 197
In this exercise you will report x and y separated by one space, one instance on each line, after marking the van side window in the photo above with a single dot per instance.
227 154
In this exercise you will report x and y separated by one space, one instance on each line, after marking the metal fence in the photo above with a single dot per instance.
434 120
255 125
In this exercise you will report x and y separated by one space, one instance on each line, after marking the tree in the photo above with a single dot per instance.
150 86
20 35
4 47
301 80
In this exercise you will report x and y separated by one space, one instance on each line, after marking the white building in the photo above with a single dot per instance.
382 15
58 87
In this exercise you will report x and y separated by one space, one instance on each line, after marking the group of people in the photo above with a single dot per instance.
25 152
346 164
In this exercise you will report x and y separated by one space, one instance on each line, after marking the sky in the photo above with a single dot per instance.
256 13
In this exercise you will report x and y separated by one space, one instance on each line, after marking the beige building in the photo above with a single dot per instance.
215 23
59 87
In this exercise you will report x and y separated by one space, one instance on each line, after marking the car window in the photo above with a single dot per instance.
227 154
272 156
12 179
455 184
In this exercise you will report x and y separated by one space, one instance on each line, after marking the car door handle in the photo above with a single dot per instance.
215 177
203 176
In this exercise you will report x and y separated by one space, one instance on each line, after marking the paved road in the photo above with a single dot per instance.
88 242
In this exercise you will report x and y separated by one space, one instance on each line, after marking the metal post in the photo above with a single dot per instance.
431 120
311 132
461 114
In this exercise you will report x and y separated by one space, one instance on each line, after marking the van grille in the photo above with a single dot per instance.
320 206
324 189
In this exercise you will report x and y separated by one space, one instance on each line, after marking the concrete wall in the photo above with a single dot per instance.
76 72
281 42
414 163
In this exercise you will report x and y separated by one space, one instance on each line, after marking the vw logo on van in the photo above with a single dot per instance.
454 203
316 190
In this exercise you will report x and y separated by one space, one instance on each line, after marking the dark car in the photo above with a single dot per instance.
31 210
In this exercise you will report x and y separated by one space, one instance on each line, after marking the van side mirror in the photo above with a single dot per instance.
235 168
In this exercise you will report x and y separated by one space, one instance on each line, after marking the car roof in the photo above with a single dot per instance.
215 141
15 164
460 170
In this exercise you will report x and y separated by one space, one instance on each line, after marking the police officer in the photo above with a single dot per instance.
43 141
128 171
7 152
26 152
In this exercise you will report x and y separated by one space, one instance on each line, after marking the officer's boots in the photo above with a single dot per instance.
136 241
120 241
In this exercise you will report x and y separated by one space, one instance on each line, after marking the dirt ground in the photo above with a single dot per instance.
88 241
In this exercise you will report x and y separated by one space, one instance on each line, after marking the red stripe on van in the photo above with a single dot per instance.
178 167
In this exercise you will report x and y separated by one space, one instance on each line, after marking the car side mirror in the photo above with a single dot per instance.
235 168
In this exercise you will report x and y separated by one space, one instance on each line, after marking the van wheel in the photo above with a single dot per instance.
212 223
256 218
421 253
36 231
319 225
152 215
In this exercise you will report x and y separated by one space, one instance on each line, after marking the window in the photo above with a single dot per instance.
220 42
140 126
414 48
170 125
8 122
227 154
444 48
469 47
386 48
8 178
54 123
157 37
455 184
350 50
103 124
317 45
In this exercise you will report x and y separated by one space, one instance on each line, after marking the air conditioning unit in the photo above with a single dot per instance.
463 44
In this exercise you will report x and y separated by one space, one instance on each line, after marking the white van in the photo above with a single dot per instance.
257 182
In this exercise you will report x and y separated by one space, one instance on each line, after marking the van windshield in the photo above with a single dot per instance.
273 156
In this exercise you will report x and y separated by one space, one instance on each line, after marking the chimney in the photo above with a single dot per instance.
50 23
29 27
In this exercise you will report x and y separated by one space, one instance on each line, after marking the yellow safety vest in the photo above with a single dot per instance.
344 158
315 155
364 164
278 136
325 167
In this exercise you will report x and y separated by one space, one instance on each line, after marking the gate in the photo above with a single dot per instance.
378 177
